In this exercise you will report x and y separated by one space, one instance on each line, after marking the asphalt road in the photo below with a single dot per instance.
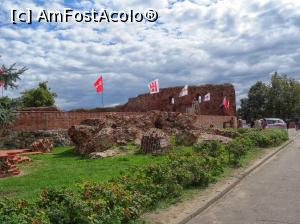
269 195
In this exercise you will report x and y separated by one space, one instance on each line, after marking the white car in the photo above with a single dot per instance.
274 123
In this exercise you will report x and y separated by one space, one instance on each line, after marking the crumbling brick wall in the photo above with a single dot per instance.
41 120
162 100
210 113
53 120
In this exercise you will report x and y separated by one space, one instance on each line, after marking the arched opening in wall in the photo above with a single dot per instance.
172 100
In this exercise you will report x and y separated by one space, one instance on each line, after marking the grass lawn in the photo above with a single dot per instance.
63 168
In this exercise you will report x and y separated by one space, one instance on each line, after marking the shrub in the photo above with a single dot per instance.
209 148
267 137
248 130
227 132
63 206
125 198
21 211
237 148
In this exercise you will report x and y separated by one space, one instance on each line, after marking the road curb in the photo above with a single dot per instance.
236 182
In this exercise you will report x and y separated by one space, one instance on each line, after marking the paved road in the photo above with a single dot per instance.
270 195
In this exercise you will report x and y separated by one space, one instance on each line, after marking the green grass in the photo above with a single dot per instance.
63 168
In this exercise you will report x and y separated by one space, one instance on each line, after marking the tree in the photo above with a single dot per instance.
284 97
244 110
255 105
8 113
10 75
8 78
38 97
280 99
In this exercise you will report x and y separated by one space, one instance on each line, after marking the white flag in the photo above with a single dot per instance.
184 91
153 86
199 99
207 97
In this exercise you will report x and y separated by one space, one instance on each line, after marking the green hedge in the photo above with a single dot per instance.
119 201
266 137
124 199
252 138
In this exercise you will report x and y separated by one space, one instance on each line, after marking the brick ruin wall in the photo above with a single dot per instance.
162 100
209 113
46 120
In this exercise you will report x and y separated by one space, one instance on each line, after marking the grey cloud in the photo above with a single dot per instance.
195 42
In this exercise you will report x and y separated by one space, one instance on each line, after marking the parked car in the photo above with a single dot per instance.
274 123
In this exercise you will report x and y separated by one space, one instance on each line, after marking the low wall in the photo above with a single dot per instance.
53 120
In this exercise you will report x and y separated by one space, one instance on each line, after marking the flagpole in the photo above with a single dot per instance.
102 98
102 92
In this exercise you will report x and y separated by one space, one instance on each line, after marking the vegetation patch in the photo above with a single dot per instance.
124 198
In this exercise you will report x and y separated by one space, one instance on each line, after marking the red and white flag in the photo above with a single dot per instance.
153 86
98 84
225 103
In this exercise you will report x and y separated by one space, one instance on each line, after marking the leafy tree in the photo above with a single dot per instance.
244 111
280 99
38 97
10 102
8 78
256 103
8 113
284 97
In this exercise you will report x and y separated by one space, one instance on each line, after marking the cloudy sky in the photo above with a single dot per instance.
193 42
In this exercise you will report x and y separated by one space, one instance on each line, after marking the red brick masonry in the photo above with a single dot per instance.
52 120
162 101
9 159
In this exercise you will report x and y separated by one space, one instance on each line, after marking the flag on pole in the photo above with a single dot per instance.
199 99
207 97
225 103
98 84
153 86
184 91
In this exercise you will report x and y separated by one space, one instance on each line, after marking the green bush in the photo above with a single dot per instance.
247 130
125 198
21 211
267 137
250 138
237 148
209 148
63 206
